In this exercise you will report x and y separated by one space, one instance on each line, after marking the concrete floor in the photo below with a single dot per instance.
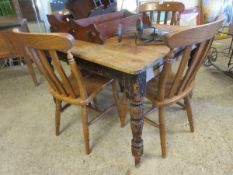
28 144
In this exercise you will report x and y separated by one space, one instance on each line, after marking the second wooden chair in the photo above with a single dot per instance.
174 9
173 86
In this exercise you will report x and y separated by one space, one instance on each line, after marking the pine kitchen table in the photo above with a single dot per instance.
132 66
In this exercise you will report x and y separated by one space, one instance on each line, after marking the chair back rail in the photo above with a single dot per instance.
175 8
42 49
196 42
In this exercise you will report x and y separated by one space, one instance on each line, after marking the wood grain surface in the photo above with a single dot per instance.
125 56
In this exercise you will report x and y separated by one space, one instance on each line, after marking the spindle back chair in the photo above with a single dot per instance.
171 87
175 8
79 88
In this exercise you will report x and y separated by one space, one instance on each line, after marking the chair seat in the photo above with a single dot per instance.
152 91
94 83
153 86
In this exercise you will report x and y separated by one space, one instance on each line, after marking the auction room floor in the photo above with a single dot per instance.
28 145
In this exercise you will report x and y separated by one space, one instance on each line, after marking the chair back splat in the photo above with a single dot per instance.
171 10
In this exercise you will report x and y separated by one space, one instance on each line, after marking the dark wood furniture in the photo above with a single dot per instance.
173 86
87 8
79 88
175 8
9 47
98 28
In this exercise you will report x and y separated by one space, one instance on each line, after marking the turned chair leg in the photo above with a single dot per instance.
162 129
57 116
85 128
189 113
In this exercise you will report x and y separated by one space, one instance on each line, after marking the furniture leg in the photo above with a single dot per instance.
31 70
123 110
189 113
115 95
85 128
57 116
162 130
137 120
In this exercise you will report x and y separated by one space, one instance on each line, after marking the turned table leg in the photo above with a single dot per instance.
137 92
136 113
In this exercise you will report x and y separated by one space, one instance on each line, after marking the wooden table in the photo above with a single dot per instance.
132 66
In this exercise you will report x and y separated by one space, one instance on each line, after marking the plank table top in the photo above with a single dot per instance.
126 56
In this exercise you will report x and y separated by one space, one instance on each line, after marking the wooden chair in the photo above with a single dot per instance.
171 87
175 8
79 88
